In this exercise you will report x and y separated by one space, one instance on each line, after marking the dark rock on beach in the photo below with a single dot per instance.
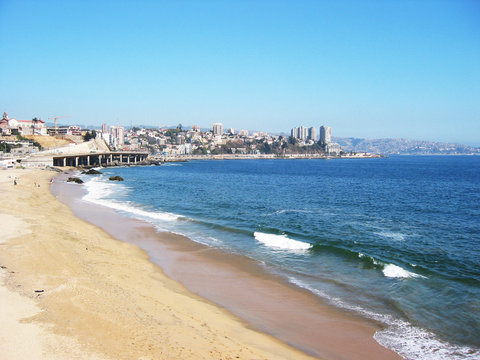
115 178
92 172
75 180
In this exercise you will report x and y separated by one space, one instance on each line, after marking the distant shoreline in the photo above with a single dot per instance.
263 156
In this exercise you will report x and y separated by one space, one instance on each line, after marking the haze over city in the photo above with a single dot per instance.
367 69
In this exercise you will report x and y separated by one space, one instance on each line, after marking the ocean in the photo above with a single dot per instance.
396 239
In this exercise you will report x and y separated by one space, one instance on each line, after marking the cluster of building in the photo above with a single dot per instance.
303 133
22 127
114 136
217 140
180 141
12 126
309 136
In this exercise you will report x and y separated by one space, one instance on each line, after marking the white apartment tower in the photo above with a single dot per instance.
325 135
303 133
117 136
294 133
312 134
217 129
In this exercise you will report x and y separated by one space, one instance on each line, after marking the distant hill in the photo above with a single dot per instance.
404 147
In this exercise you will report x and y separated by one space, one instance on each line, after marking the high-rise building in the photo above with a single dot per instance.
312 134
117 136
300 133
217 129
242 132
325 135
303 133
294 133
105 128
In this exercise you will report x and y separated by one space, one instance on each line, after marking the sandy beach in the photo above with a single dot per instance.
72 290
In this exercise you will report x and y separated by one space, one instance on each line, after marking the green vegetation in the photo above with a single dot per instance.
173 132
200 151
90 135
6 148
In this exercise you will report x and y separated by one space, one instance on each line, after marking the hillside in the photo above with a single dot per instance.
404 147
49 142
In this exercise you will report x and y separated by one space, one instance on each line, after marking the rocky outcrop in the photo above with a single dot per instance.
92 172
75 180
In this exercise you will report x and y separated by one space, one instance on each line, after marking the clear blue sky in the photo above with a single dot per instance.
368 69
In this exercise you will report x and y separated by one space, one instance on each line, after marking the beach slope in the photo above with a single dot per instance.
70 290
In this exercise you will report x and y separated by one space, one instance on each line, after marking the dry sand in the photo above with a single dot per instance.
70 291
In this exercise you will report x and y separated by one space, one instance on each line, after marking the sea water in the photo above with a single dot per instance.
394 239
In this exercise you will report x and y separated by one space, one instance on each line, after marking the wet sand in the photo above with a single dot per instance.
264 301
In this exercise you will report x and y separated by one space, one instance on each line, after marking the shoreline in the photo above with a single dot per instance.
70 290
300 319
361 155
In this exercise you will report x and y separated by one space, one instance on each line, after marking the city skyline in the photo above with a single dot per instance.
369 70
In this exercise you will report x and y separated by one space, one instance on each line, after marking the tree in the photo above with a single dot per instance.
90 135
4 147
266 149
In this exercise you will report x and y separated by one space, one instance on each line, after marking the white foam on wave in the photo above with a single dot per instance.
97 189
301 211
394 271
396 236
410 341
98 192
281 242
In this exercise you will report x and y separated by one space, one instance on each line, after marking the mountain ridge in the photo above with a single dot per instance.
402 146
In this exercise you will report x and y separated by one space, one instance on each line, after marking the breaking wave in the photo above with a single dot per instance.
98 192
410 341
281 242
